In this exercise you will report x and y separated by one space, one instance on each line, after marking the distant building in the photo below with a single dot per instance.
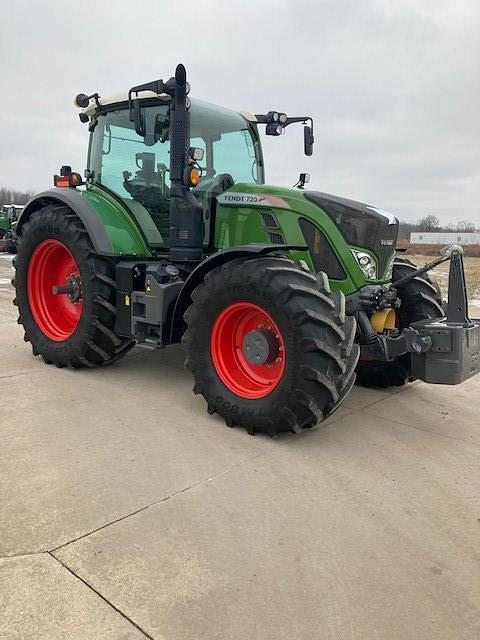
444 237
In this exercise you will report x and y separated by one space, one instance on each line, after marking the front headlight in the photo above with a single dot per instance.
389 271
366 263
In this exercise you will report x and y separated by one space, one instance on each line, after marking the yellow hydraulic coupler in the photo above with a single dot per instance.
383 319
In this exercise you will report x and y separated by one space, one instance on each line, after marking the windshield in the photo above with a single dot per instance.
137 168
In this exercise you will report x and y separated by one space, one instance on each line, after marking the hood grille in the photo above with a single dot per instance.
276 238
384 247
269 219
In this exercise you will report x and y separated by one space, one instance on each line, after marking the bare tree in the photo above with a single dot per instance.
10 196
429 223
465 226
432 223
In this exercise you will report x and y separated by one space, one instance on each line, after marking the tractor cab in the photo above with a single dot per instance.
135 167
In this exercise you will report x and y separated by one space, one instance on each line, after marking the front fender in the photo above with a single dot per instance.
215 260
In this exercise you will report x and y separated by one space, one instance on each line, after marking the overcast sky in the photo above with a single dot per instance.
393 87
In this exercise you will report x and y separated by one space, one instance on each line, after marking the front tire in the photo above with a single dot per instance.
420 300
74 329
269 345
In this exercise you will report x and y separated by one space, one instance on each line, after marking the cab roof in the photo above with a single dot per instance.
122 98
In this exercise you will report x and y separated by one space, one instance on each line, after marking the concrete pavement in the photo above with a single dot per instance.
126 511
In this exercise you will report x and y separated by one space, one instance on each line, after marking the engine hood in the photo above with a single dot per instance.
335 205
361 225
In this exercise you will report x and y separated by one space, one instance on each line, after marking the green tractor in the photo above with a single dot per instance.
280 296
9 215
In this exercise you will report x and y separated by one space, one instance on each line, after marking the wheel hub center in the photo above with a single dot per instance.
73 289
260 346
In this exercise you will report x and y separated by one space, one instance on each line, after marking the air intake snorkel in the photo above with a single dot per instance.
186 214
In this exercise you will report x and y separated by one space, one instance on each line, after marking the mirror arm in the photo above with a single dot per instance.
302 119
264 119
277 123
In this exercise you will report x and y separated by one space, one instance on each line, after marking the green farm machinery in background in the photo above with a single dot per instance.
282 297
9 215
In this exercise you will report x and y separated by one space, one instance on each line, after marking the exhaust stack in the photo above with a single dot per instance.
186 215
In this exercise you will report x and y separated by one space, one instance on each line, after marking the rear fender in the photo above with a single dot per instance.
110 227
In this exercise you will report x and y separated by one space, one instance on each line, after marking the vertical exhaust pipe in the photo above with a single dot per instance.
186 214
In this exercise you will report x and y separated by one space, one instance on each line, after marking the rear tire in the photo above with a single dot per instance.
421 300
90 339
317 368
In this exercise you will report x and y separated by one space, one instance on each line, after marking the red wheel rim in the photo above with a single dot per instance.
232 333
52 265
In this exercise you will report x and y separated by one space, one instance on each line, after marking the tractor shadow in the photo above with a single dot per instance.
149 370
151 362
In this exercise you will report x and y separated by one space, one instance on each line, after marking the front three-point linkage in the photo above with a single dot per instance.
457 305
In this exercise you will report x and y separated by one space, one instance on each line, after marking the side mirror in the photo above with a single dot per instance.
137 116
308 140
